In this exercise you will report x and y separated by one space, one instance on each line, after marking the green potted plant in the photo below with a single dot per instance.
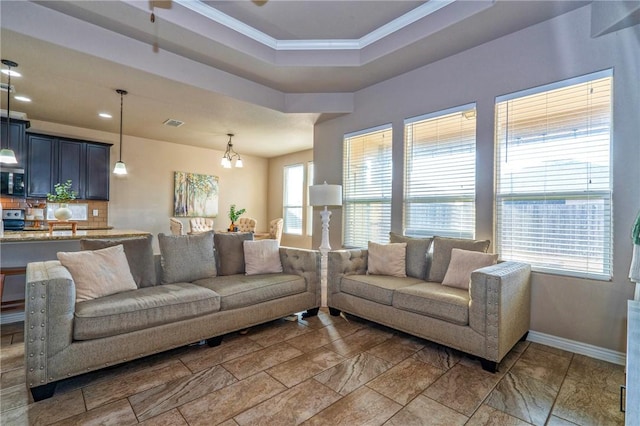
234 215
62 195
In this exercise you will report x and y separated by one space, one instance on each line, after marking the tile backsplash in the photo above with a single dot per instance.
99 221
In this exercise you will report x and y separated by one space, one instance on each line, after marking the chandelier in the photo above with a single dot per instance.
230 154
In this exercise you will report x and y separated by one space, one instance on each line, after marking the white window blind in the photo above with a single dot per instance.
293 203
367 187
440 173
553 180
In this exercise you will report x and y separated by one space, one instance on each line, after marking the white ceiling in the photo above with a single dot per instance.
265 70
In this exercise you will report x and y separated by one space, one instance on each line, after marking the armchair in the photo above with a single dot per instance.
200 224
275 231
176 226
246 224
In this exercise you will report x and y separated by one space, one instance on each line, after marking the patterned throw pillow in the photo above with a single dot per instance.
139 256
98 273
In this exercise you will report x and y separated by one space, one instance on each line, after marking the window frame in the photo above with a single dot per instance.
589 197
351 198
449 200
285 192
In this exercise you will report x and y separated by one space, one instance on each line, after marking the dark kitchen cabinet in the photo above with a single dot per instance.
97 174
17 141
42 160
54 159
71 164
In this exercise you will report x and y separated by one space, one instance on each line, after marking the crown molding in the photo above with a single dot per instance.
376 35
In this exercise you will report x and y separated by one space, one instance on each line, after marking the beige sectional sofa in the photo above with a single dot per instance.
485 320
189 294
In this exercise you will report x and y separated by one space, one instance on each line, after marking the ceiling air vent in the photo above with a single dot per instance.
173 123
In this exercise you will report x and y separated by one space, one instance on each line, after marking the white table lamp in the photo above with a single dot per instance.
325 195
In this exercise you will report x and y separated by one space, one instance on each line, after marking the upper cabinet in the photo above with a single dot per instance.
97 173
41 167
54 159
17 140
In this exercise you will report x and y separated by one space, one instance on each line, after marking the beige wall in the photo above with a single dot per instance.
276 190
588 311
143 199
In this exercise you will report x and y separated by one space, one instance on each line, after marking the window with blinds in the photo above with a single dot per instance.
293 203
553 177
366 186
440 173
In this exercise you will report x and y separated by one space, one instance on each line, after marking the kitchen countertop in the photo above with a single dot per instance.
19 236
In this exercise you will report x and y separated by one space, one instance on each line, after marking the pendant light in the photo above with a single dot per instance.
230 154
120 168
7 156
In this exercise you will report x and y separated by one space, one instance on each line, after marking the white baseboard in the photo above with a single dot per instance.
586 349
11 317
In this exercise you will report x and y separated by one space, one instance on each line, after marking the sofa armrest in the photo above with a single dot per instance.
500 305
305 263
341 263
50 297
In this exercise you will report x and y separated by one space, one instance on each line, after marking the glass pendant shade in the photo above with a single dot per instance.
239 163
7 156
120 168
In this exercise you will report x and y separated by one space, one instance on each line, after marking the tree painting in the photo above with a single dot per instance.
195 195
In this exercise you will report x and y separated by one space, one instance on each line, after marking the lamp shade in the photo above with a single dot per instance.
325 195
7 156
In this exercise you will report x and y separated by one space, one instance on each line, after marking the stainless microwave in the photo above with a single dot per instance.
12 182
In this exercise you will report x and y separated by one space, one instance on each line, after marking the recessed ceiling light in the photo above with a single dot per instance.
105 115
22 98
12 73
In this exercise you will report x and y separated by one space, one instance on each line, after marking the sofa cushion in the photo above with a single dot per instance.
442 254
139 256
463 263
417 258
237 291
187 258
377 288
262 257
142 308
434 300
98 273
230 251
387 259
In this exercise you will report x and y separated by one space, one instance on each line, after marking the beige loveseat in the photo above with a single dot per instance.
65 337
486 320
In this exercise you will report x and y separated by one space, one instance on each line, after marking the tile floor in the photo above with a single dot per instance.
320 371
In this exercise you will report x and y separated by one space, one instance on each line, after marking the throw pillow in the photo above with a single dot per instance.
442 253
463 263
187 258
387 259
262 257
139 256
98 273
417 254
230 251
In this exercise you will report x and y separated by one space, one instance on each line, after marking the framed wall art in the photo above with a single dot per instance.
195 195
